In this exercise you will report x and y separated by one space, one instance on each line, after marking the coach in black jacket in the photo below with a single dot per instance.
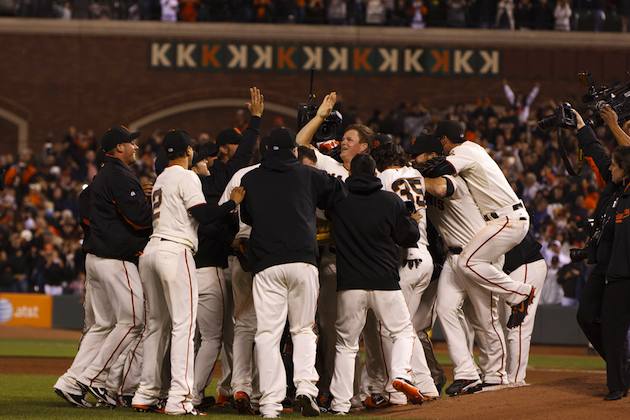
280 203
369 227
120 219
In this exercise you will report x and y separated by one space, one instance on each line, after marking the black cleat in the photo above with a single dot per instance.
463 386
307 405
75 400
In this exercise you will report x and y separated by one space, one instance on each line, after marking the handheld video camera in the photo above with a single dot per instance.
596 98
332 126
562 117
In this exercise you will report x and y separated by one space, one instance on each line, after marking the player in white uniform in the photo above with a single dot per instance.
243 381
507 221
355 140
415 273
168 271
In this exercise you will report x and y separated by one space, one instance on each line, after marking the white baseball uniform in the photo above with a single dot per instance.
244 312
507 222
408 183
168 271
519 339
458 220
118 304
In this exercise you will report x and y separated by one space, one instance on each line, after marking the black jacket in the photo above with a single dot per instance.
368 227
215 239
528 251
280 201
599 160
120 216
619 266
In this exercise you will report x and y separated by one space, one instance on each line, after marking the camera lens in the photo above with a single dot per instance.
547 122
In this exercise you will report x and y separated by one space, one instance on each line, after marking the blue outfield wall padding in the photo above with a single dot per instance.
67 312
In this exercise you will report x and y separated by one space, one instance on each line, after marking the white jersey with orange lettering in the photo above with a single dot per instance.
507 223
458 219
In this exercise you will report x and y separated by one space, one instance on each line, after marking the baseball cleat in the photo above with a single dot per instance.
463 386
75 400
376 401
243 403
223 401
124 400
414 396
154 408
100 394
206 402
307 405
191 412
519 311
324 400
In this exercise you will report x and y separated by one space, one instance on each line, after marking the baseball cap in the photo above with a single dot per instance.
117 135
451 129
204 151
280 139
228 136
176 141
425 143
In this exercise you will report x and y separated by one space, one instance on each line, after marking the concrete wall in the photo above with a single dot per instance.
94 74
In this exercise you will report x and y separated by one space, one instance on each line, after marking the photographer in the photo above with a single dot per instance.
604 313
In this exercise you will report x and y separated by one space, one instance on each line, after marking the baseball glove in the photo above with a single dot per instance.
436 167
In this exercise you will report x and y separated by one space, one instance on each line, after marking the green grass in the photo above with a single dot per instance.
38 348
32 397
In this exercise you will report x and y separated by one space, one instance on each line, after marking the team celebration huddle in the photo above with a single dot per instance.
266 258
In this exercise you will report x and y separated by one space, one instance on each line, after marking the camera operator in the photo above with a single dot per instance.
604 313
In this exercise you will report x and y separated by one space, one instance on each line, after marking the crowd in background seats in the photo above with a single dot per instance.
562 15
40 237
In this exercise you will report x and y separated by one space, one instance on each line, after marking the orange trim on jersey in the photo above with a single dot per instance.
621 216
600 180
129 222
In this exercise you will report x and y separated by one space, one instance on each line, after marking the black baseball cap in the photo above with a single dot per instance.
176 141
425 143
204 151
229 136
451 129
117 135
280 139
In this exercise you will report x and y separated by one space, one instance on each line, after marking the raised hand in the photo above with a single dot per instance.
327 105
256 105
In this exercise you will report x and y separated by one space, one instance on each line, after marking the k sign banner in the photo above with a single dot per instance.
218 56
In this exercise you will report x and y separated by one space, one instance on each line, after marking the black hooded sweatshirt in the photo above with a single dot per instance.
280 201
368 227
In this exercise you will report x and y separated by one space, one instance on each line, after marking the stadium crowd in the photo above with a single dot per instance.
40 236
562 15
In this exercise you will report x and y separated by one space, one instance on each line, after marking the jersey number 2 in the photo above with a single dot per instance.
157 201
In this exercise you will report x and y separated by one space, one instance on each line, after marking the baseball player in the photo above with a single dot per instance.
280 207
367 249
168 269
507 221
214 242
245 395
415 273
523 263
355 140
119 218
455 215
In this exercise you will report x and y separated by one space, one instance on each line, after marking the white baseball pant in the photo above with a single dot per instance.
244 331
210 314
452 293
374 375
498 236
413 282
118 303
281 290
124 375
390 308
224 385
90 342
519 338
168 270
326 317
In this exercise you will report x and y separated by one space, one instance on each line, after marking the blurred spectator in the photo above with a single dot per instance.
505 15
418 12
524 15
543 15
570 278
337 12
552 293
188 10
456 14
169 10
375 12
562 15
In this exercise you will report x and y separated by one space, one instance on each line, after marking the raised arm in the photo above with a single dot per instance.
611 119
509 94
305 135
244 152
